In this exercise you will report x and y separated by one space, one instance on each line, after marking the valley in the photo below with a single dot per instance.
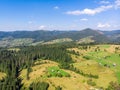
59 44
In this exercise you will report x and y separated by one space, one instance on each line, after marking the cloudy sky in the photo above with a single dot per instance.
59 14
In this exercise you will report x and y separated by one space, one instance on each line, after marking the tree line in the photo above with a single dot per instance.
12 62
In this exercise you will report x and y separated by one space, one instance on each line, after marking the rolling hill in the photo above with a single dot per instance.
31 37
114 35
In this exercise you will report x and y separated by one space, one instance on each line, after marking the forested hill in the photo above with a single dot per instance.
114 35
29 37
37 35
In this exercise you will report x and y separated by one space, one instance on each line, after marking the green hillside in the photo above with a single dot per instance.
60 66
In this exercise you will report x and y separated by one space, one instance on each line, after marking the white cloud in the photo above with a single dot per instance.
56 7
41 27
105 25
84 19
104 2
117 4
90 11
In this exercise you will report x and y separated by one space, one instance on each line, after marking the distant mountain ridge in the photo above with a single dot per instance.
41 35
113 35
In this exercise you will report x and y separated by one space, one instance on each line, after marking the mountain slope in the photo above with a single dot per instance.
76 35
37 36
113 35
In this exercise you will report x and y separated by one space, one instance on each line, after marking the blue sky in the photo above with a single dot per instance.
59 14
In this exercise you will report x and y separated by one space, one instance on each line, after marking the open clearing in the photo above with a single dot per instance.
74 82
102 60
105 75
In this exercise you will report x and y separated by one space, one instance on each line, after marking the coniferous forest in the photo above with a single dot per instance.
12 62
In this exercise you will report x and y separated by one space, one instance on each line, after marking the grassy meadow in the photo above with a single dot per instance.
101 60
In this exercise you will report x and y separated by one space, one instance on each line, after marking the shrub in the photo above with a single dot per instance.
86 57
39 86
90 82
58 88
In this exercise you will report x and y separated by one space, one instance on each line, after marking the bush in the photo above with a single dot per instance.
39 86
57 72
86 57
90 82
58 88
113 86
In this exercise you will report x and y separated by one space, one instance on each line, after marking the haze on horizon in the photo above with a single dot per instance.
59 14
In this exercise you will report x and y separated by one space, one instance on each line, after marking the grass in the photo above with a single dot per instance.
14 49
86 40
56 72
108 58
105 74
40 70
104 46
2 75
112 58
22 41
95 66
16 42
93 62
118 76
62 40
